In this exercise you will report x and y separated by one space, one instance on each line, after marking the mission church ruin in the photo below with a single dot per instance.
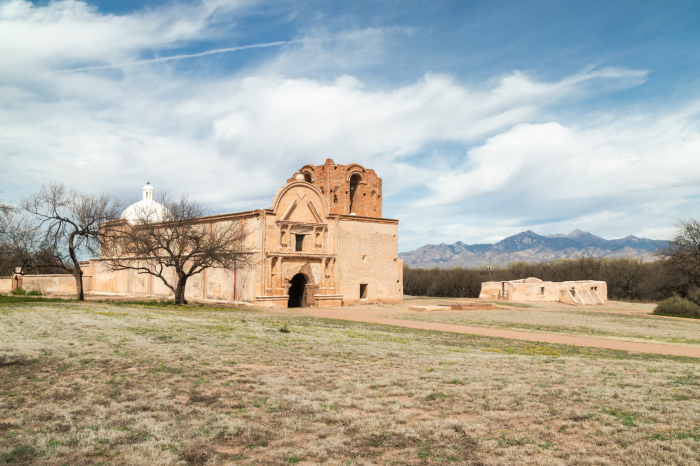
322 242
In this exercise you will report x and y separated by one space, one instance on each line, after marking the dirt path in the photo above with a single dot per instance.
635 347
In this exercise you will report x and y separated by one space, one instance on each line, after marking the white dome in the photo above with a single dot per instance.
146 208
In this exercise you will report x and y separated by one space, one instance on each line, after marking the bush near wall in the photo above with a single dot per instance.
678 307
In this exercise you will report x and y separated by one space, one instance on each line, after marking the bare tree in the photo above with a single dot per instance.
22 244
5 211
171 241
682 252
71 222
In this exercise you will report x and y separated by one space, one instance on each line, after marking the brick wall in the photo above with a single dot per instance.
348 188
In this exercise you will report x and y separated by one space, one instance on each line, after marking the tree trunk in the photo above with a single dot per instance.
79 285
78 274
180 290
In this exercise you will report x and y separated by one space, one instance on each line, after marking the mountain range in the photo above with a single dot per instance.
528 246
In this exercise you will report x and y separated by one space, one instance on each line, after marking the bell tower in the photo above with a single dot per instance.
349 189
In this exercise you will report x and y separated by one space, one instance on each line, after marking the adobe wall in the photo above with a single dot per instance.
368 254
530 289
59 284
5 284
212 284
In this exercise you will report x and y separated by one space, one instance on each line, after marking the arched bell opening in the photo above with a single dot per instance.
354 183
297 291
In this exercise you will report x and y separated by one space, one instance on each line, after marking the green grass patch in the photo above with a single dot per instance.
33 299
19 454
626 418
152 302
294 459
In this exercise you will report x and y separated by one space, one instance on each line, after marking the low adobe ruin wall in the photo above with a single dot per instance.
5 284
532 289
58 284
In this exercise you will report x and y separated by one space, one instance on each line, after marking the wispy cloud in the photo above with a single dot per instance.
185 56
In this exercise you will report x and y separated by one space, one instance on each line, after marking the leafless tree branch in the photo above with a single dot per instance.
174 240
683 253
71 222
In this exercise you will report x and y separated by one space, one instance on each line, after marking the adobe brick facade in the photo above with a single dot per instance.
348 189
322 242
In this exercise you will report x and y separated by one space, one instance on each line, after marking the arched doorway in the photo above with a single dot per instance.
297 291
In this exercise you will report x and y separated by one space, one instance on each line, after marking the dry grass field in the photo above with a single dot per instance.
147 385
614 321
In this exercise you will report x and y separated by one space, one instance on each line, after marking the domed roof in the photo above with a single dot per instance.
146 208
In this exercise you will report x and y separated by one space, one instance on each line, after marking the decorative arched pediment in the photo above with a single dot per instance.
300 201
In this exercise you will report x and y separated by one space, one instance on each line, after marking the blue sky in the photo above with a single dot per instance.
484 118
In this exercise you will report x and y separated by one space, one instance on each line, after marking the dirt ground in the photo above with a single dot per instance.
129 384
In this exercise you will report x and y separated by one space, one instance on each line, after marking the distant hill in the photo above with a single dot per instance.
528 246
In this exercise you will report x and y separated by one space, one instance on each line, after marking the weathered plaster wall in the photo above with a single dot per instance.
368 254
530 289
54 284
214 284
5 284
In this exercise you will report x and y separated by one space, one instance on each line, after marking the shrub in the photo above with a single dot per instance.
18 454
34 293
677 306
19 292
285 329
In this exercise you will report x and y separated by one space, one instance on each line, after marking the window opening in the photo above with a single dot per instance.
363 291
542 291
307 177
299 243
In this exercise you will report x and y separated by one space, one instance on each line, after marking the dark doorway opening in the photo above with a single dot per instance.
297 291
299 246
363 291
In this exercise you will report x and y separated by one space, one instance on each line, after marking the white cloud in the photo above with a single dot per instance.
639 156
232 140
71 33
